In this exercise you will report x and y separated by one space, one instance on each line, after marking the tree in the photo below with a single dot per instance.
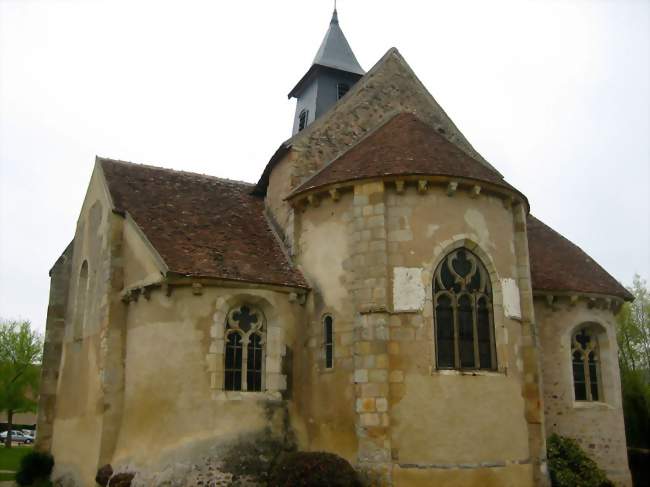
634 329
21 350
633 336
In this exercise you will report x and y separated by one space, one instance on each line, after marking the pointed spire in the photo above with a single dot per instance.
335 51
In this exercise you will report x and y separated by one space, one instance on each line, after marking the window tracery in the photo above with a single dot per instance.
586 367
244 355
462 301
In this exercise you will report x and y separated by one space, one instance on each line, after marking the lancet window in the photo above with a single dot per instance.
244 341
328 341
463 318
586 367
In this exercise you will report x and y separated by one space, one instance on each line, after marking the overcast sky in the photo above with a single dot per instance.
555 94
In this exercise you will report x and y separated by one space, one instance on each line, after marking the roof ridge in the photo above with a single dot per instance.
173 171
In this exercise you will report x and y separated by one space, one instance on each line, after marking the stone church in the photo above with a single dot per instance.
381 293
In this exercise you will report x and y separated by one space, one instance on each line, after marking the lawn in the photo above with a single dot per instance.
6 477
10 460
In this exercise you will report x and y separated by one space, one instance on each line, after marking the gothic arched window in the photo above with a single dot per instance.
586 370
462 305
245 338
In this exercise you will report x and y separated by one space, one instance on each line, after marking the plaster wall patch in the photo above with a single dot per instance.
408 290
511 303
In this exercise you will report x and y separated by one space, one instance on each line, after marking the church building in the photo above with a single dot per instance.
381 293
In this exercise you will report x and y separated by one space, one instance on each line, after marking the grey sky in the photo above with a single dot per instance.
555 94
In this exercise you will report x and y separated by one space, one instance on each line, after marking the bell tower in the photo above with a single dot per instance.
334 70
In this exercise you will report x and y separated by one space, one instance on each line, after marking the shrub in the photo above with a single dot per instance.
570 466
35 469
313 469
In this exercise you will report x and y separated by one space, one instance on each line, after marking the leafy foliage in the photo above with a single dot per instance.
633 334
634 329
20 352
570 466
313 469
35 469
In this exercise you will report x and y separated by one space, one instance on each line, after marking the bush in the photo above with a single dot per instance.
35 469
313 469
570 466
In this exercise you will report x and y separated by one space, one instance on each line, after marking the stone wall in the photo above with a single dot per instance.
380 245
597 426
77 425
177 418
55 330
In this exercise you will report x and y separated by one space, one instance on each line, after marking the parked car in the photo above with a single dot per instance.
17 437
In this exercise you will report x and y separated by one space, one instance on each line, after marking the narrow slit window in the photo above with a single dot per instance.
464 328
329 342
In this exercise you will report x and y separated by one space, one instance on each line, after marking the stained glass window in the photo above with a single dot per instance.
586 368
463 319
244 354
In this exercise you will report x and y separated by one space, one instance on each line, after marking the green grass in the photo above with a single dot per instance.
7 477
10 457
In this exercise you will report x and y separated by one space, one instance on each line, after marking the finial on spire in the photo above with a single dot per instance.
335 15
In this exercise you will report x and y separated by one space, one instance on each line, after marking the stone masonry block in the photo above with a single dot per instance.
396 376
381 404
366 405
378 375
374 389
361 376
370 419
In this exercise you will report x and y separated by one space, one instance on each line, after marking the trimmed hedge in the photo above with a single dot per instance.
570 466
35 469
313 469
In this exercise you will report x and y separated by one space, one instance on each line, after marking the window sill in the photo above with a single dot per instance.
246 396
591 405
484 373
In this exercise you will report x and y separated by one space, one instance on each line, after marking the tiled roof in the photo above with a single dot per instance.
403 146
201 225
557 264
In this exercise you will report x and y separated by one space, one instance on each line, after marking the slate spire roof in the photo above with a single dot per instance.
335 51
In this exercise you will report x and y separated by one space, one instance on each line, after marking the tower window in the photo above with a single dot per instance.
464 329
343 88
302 119
328 341
244 357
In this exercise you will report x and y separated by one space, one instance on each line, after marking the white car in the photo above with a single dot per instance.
17 437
